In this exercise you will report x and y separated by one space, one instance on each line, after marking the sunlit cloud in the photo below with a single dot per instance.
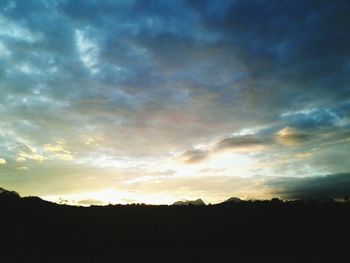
291 137
30 153
57 150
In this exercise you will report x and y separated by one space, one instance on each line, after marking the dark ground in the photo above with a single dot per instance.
33 230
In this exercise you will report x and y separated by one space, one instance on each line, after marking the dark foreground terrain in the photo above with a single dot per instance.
33 230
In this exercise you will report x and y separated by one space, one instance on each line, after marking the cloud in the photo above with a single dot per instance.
58 150
260 142
291 137
334 186
27 152
236 143
195 156
17 31
243 142
317 118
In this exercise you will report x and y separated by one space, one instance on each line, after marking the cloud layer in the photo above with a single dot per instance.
121 91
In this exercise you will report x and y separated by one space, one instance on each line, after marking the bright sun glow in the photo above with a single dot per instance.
111 196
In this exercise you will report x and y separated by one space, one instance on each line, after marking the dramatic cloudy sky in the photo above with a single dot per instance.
156 101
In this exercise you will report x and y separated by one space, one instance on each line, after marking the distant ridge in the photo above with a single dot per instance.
233 200
187 202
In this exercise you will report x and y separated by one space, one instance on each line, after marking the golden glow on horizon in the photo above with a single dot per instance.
112 196
157 181
106 196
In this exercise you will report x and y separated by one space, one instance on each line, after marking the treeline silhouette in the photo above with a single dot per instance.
34 230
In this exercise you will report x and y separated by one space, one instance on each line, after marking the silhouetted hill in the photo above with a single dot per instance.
33 230
36 201
233 200
6 195
188 202
319 199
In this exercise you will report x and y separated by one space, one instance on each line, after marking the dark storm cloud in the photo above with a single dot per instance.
302 44
331 186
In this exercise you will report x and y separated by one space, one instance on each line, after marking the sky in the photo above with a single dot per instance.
158 101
